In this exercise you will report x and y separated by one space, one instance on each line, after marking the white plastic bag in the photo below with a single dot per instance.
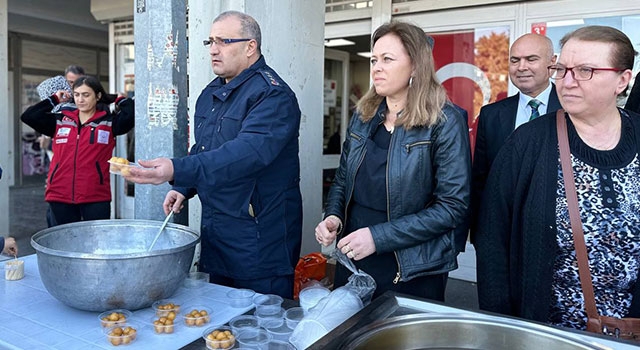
334 308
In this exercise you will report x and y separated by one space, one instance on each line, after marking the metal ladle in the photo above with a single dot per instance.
164 224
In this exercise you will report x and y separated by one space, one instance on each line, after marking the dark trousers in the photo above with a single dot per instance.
62 213
279 285
383 267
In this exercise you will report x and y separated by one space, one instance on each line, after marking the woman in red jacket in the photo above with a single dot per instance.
78 183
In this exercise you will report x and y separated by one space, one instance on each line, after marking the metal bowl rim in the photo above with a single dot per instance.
356 338
120 222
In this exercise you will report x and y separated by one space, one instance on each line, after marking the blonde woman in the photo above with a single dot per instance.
402 187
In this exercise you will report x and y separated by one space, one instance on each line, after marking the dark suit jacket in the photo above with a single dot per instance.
495 123
633 101
462 231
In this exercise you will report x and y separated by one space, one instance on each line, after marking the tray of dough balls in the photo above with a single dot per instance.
120 166
39 321
171 323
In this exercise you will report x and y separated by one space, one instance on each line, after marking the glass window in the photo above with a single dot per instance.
56 57
473 65
630 25
104 64
34 158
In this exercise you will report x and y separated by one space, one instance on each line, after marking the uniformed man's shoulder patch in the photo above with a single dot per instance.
270 78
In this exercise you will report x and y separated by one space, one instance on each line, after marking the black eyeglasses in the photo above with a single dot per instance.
579 73
222 42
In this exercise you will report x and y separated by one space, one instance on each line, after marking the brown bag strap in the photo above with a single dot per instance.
574 216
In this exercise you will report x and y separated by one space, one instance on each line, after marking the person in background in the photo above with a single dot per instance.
529 57
78 183
72 73
8 245
47 88
526 261
244 165
633 101
402 187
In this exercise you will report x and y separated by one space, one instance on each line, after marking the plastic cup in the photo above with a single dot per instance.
197 316
263 318
221 337
122 334
115 317
253 338
240 298
164 325
119 167
268 304
278 332
14 270
242 322
309 297
293 316
196 279
165 306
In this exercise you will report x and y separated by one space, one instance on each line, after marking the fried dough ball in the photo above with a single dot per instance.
118 164
122 336
163 325
113 319
220 339
197 318
165 310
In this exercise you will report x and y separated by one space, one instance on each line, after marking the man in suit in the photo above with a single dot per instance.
633 101
529 57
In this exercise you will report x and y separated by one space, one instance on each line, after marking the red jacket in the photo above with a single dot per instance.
79 171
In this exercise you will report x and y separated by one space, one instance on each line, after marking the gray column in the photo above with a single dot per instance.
6 124
161 94
293 44
380 13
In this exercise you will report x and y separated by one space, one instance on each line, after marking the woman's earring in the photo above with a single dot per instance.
410 81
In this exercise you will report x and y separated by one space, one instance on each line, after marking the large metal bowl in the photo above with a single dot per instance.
102 265
452 331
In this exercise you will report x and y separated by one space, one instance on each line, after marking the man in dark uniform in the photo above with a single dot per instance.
244 165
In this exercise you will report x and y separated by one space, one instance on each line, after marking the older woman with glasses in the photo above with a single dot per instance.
526 257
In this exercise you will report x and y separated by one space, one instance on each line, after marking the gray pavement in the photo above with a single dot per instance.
27 216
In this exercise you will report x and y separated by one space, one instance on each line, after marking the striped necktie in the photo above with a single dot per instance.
534 104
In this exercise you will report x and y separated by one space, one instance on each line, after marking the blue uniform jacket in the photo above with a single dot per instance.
245 169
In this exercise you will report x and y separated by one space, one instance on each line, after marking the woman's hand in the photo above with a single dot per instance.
327 230
10 246
358 244
63 96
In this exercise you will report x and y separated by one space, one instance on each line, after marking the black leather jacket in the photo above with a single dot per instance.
428 190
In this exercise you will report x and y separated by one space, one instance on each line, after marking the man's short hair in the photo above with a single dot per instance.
250 27
77 70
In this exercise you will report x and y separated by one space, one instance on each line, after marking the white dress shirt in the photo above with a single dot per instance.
524 111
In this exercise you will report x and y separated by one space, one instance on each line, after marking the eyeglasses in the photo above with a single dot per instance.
579 73
222 42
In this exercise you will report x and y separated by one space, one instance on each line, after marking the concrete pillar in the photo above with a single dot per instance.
161 94
293 44
6 124
380 13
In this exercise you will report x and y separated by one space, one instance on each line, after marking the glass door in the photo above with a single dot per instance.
123 191
336 113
